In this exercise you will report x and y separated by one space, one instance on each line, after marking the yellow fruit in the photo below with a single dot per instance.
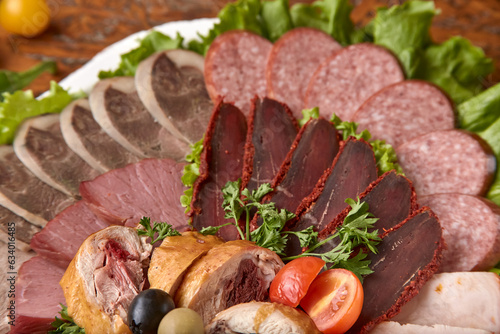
24 17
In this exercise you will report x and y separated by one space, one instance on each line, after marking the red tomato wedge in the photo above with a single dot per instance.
334 301
292 282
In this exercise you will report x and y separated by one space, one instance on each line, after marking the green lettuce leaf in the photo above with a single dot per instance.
276 18
22 104
155 41
479 112
492 136
11 81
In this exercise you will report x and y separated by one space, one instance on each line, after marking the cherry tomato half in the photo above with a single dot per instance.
292 281
24 17
334 301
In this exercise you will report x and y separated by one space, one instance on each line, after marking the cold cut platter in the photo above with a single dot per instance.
200 169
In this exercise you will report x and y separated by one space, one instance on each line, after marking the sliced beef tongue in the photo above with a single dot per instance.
117 108
171 85
405 110
24 194
407 258
289 68
151 188
271 132
312 152
353 169
346 80
235 66
221 161
24 230
87 139
40 145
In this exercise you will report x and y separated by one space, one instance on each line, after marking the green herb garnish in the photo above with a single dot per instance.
162 230
307 114
65 325
190 173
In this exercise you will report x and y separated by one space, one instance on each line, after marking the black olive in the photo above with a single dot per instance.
147 309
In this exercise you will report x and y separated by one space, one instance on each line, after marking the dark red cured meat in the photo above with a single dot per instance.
271 132
449 161
405 110
60 239
151 188
471 230
221 161
38 296
353 169
289 68
312 152
347 79
407 257
235 66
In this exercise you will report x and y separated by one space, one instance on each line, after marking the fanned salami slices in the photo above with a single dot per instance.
405 110
450 161
235 66
292 62
346 80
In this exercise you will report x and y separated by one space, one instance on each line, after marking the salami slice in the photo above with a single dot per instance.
235 66
471 230
405 110
347 79
292 62
449 161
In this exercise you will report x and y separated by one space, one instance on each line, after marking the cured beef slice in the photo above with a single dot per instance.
38 296
407 258
40 145
117 108
353 169
405 110
60 239
271 132
449 161
471 230
235 66
87 139
221 161
172 87
229 274
150 188
292 62
24 194
346 80
24 230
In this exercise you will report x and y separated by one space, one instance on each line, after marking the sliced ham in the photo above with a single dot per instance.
24 230
117 108
471 230
60 239
235 66
271 132
87 139
405 110
24 194
221 162
150 188
292 61
346 80
172 87
448 161
40 145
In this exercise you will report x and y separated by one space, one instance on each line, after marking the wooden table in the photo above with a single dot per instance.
81 28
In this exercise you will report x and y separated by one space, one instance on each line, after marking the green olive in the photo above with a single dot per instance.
181 321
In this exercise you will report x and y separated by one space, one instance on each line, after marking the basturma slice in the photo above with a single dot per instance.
221 161
271 132
312 152
407 257
353 169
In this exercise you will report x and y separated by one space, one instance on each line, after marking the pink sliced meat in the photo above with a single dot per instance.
405 110
471 230
448 161
235 66
38 296
151 188
60 239
292 62
346 80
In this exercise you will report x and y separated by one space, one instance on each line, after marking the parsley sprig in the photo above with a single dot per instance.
161 230
191 172
65 325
